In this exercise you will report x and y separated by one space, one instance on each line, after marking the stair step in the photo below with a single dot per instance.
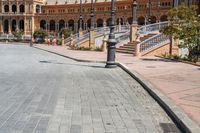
125 46
123 51
126 49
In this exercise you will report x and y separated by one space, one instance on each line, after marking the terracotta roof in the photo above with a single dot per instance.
61 2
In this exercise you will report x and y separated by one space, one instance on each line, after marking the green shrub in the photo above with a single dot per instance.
18 35
41 34
66 32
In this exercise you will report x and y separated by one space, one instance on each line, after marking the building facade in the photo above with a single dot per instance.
53 15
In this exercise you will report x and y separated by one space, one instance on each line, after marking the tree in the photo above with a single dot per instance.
184 25
66 32
39 35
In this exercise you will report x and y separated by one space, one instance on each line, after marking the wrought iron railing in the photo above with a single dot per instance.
153 42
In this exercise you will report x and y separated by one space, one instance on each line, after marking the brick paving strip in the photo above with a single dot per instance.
160 77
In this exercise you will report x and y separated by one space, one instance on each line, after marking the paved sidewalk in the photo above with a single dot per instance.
178 81
46 93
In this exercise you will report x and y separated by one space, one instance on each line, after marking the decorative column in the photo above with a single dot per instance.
92 39
67 25
133 32
110 63
80 21
9 26
119 26
1 25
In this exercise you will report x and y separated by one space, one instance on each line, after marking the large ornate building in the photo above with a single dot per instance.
53 15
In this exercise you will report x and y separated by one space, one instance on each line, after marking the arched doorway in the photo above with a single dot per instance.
99 22
6 8
21 8
14 8
141 20
52 25
89 23
6 26
163 18
79 24
153 19
43 24
120 20
129 20
108 22
21 25
61 24
71 24
14 25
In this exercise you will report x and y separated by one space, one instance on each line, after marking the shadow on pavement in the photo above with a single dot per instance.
55 62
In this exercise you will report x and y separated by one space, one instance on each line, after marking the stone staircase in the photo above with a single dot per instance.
129 48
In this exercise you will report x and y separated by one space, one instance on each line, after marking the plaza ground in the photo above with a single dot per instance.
42 92
178 81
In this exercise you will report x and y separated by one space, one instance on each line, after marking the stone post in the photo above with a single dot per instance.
71 44
80 33
104 45
133 32
63 40
92 40
137 50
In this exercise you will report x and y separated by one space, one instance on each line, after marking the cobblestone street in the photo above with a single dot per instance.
45 93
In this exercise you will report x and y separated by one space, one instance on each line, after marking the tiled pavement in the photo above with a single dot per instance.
178 81
42 92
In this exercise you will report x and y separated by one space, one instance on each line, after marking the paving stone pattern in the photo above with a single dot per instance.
45 93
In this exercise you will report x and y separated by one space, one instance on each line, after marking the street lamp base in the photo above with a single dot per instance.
110 65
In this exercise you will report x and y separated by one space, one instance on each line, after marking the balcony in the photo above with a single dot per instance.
12 14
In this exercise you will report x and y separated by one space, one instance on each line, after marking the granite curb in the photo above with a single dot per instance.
179 117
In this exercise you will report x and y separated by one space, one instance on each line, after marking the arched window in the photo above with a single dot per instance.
14 8
37 8
21 8
6 8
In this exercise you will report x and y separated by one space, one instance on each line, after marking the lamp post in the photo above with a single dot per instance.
80 20
92 16
110 63
91 37
149 12
134 7
31 41
133 31
158 12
